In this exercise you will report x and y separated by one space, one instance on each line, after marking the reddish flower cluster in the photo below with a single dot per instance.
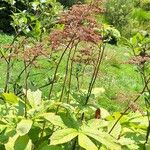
26 50
86 55
79 23
139 60
135 107
32 52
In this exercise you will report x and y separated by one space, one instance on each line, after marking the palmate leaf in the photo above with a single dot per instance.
70 120
85 142
102 137
63 136
24 126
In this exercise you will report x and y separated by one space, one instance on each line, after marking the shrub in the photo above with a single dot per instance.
43 11
118 13
111 35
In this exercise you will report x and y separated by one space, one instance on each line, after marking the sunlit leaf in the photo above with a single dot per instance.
128 142
116 130
55 119
24 126
86 143
10 144
23 143
34 97
102 137
10 98
63 136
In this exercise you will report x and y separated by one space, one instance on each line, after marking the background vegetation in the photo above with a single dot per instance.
74 77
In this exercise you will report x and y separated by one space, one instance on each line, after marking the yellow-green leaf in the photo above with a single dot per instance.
24 126
86 143
10 98
63 136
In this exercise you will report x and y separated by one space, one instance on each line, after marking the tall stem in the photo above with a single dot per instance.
71 69
94 76
66 73
23 70
8 67
95 73
26 88
51 87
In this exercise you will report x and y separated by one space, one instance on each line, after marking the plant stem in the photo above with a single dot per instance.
148 128
74 144
8 62
94 76
51 88
23 70
26 88
95 73
71 69
66 73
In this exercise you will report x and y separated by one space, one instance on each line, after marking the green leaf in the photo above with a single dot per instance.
34 97
117 129
86 143
10 98
63 136
24 126
70 120
102 137
97 123
23 143
45 146
37 29
134 40
128 142
55 119
18 143
10 144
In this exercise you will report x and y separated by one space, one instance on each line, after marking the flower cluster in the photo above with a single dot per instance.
79 24
86 55
139 60
32 52
135 107
26 50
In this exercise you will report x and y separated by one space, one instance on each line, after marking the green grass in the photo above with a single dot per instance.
5 39
114 76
